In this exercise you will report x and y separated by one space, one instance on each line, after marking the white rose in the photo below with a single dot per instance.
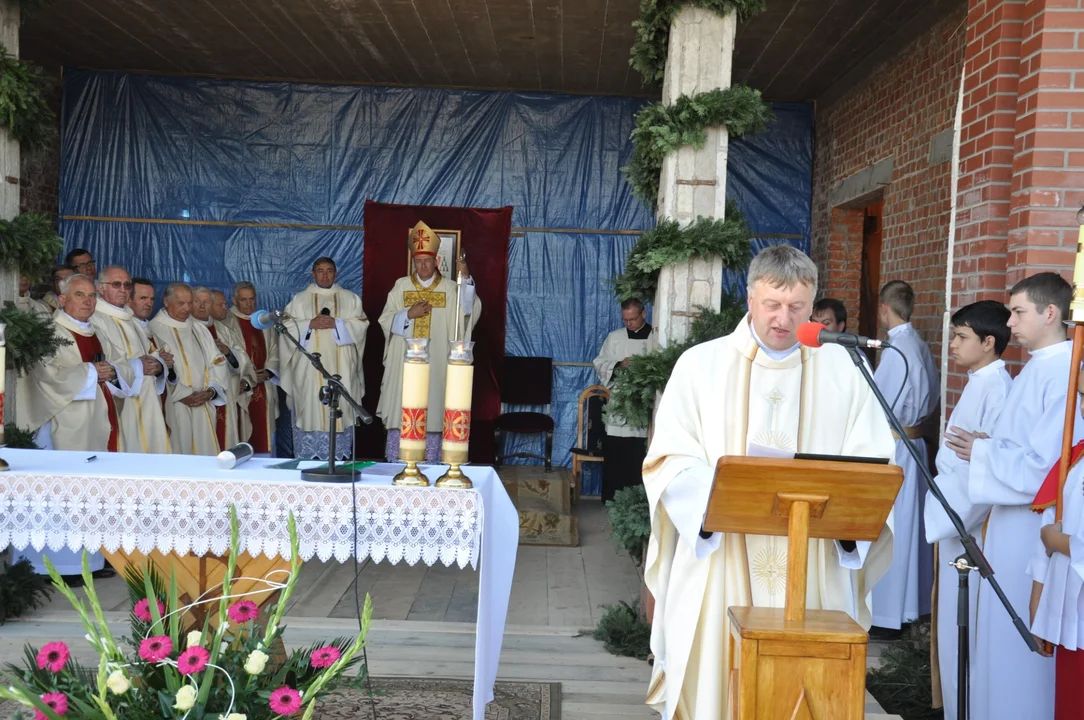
256 662
118 683
186 698
194 638
234 716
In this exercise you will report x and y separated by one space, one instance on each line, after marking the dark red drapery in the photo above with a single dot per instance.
484 238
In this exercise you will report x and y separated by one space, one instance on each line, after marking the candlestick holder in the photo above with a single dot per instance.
457 411
415 409
1076 306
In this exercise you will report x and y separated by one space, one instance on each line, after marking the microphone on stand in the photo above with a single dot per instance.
263 319
813 334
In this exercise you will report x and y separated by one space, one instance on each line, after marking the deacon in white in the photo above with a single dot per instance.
262 347
421 305
979 336
624 446
1006 471
231 425
202 377
327 319
72 396
754 386
142 422
904 592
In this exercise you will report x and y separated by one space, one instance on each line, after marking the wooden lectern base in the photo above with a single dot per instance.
809 670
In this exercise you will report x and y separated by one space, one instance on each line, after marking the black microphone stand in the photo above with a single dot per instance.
972 558
330 394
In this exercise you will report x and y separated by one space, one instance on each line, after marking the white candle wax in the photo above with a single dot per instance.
3 367
458 390
415 398
457 403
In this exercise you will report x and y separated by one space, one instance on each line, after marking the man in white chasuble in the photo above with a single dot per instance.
756 386
422 304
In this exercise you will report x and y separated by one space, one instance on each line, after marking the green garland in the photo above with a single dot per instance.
653 30
669 243
630 520
21 590
29 244
17 437
24 110
662 129
635 388
30 338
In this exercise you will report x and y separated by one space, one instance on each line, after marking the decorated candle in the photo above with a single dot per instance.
3 374
457 402
415 400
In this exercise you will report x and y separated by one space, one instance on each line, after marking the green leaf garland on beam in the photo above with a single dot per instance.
30 338
29 245
24 110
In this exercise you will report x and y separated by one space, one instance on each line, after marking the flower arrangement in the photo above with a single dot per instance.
228 672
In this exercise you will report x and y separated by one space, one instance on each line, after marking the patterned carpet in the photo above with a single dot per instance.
543 501
429 699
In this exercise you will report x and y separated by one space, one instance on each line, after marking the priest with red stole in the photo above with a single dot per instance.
71 396
262 347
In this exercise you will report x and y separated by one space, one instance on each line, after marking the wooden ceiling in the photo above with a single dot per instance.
795 50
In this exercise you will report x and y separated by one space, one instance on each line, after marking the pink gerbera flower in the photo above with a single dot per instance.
192 660
53 655
155 648
325 656
57 702
142 610
285 701
243 611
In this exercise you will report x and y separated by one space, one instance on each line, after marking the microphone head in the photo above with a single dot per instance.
809 334
261 319
325 311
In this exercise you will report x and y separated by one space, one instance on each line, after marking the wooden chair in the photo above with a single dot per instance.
590 431
527 381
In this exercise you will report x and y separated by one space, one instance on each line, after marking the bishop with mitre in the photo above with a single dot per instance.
327 319
201 372
422 305
262 347
754 387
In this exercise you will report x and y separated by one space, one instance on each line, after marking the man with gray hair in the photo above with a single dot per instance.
754 392
262 347
232 425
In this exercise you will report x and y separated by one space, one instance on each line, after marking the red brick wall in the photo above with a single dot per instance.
896 113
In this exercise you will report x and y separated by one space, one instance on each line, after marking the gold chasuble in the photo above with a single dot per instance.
433 296
724 396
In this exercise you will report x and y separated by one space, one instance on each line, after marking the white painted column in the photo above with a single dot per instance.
9 203
693 182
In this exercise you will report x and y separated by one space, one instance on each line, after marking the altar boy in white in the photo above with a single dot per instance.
1008 681
979 337
896 599
756 385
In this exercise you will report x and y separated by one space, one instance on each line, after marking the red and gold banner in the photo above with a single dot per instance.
413 423
456 425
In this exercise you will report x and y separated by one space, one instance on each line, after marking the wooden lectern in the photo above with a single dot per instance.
792 664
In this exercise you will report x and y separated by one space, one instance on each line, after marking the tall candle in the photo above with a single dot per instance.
3 374
415 400
457 403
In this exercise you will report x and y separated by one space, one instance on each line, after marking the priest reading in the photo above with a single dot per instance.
422 305
263 350
142 422
201 374
327 319
754 387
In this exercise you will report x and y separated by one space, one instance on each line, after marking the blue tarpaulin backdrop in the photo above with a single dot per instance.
207 165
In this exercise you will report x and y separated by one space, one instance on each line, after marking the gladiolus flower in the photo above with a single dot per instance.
57 702
233 716
285 701
256 662
243 611
118 682
186 698
324 657
142 610
193 639
192 660
155 648
54 656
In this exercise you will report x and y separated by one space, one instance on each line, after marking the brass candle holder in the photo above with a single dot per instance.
457 414
415 408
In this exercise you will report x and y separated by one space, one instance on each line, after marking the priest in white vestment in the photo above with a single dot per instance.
979 337
141 301
231 425
51 299
422 305
142 421
756 386
327 319
624 446
262 347
1007 469
904 592
28 305
201 373
72 397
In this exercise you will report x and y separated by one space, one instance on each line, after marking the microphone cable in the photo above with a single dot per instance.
906 373
357 573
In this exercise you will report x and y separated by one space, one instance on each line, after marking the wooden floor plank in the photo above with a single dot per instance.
569 603
434 593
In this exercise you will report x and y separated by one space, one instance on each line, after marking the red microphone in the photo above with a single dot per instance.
813 334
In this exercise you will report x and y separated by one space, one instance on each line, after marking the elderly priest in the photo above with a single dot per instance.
231 423
262 347
72 396
327 319
142 422
421 305
201 374
754 387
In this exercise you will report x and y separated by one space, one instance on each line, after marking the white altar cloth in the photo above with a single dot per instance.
180 503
